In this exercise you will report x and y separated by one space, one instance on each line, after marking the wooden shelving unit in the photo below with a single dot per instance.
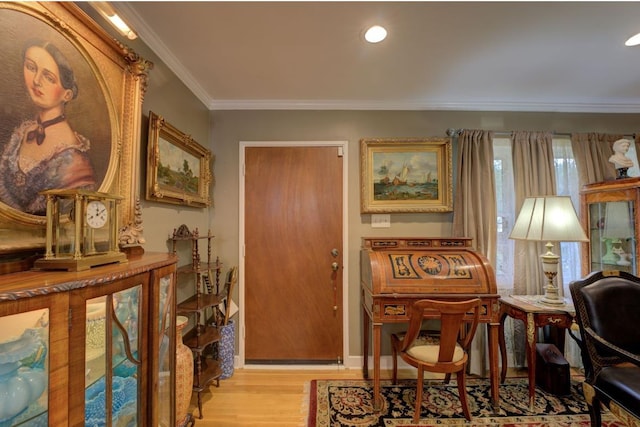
203 338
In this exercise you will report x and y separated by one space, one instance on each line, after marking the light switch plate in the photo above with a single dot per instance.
380 221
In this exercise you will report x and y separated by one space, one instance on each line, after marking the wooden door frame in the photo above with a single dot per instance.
340 145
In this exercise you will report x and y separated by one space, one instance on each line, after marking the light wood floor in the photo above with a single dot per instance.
269 397
262 397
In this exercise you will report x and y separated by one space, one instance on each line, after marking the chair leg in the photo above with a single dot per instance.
594 412
419 384
394 356
462 391
447 378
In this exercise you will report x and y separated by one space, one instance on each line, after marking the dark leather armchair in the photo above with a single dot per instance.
608 313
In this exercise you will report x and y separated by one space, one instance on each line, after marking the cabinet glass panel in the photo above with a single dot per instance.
24 373
612 231
165 361
112 383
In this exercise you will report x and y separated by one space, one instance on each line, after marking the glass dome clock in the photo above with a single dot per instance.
82 230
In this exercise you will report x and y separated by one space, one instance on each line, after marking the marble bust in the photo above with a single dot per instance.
619 158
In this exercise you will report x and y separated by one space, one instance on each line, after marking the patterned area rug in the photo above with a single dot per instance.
349 403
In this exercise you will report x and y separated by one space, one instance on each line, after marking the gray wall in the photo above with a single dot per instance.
231 127
221 131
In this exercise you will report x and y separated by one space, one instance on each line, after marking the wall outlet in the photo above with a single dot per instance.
380 221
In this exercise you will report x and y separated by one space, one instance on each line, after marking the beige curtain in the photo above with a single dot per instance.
475 202
534 175
592 152
474 212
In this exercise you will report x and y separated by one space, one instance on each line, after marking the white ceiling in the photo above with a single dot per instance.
517 56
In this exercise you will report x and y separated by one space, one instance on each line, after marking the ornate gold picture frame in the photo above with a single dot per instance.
104 83
178 168
406 175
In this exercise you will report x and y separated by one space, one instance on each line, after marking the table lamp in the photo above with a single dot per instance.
548 219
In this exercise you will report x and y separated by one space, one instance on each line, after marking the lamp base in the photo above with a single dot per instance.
550 268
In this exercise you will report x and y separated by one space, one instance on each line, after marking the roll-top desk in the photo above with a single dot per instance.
396 272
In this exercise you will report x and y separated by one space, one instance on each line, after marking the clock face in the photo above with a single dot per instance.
97 214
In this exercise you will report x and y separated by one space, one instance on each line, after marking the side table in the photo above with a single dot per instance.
534 314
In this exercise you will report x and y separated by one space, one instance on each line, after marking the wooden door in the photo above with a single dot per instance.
293 222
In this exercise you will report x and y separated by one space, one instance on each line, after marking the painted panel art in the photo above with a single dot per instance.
412 175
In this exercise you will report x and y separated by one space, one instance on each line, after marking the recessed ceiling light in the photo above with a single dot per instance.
633 41
375 34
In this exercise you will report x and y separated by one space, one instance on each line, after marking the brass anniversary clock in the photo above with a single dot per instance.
82 230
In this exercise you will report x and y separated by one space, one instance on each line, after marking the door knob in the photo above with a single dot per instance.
334 266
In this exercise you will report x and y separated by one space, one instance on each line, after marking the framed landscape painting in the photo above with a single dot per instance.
406 175
178 169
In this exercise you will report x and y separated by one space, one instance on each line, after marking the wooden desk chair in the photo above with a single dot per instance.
445 353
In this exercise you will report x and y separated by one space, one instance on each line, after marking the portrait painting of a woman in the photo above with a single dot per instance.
45 152
56 125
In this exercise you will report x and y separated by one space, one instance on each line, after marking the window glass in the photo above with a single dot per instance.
567 185
505 211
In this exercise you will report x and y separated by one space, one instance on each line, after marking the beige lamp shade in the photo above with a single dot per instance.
548 219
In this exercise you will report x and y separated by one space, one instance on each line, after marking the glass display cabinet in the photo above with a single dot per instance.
113 370
95 347
163 345
609 214
24 368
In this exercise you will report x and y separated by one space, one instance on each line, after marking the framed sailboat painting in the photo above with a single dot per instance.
406 175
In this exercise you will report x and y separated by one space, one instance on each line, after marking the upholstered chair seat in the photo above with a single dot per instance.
426 347
621 384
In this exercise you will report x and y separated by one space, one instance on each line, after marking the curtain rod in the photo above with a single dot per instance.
456 132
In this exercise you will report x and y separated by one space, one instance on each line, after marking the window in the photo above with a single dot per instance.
505 211
566 185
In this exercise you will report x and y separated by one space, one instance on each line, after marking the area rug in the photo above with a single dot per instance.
336 403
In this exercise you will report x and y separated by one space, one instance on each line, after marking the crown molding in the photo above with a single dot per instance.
612 106
152 40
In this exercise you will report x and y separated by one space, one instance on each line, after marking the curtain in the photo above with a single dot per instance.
592 152
567 184
474 213
534 175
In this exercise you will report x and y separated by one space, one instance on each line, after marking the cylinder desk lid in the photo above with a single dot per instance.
425 265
